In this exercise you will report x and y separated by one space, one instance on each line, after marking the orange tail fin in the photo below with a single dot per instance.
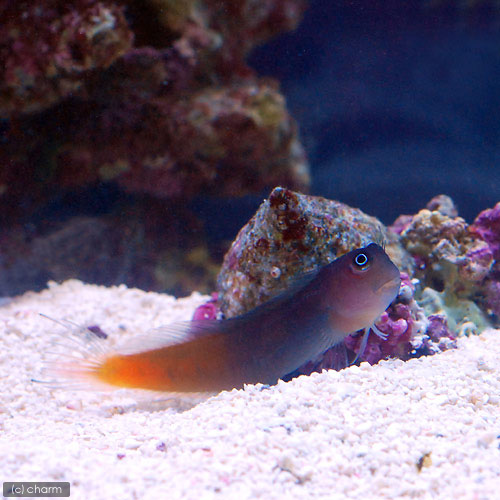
80 359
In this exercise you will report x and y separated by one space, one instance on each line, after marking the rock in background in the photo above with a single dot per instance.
154 98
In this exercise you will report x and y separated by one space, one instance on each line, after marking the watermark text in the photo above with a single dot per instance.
35 489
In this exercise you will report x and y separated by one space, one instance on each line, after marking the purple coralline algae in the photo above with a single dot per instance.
208 310
487 227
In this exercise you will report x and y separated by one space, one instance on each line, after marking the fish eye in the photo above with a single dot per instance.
361 261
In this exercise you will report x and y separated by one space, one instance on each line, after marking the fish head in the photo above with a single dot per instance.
363 283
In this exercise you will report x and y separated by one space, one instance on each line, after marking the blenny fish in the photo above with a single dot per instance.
317 312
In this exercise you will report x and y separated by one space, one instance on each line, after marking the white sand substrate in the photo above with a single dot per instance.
360 433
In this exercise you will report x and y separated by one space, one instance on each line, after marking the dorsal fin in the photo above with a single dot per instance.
173 334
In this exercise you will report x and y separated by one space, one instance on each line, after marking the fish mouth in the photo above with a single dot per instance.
389 285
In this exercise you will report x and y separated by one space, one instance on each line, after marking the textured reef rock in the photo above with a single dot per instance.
292 233
152 98
452 264
449 269
155 96
49 47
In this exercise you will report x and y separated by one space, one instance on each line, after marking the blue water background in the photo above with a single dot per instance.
396 102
